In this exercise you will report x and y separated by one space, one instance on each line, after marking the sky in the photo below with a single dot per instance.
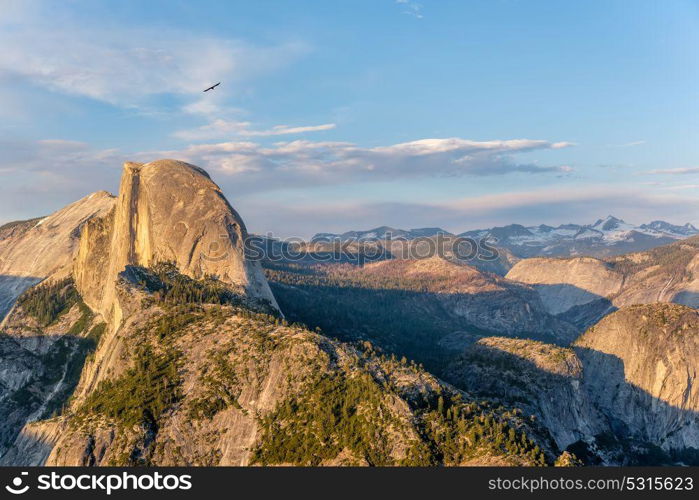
343 115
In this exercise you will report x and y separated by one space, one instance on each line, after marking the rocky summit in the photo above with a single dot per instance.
171 211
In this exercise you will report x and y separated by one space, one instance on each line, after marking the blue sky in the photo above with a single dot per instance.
352 114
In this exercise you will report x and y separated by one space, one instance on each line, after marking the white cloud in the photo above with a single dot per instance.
411 8
286 129
303 163
54 172
674 171
220 128
627 144
457 145
124 65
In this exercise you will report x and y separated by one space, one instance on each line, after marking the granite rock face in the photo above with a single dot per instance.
30 251
566 283
172 211
225 385
166 211
542 379
155 340
582 290
629 381
640 368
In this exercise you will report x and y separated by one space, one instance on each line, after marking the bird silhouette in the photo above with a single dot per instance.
212 87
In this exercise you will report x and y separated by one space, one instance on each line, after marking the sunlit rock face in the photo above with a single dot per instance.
167 210
32 250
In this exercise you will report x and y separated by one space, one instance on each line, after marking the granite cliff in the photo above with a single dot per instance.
171 211
582 290
624 393
33 250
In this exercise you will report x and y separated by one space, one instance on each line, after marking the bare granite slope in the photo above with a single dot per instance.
542 379
585 289
625 387
640 367
196 383
166 347
565 283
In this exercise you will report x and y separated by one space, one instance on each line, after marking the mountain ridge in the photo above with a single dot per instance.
667 273
607 236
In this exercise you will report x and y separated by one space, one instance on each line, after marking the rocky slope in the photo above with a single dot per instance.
584 289
640 367
32 250
426 309
624 393
155 340
577 290
483 300
592 279
197 375
44 343
542 379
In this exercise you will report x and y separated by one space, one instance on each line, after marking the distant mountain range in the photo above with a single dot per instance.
605 237
382 233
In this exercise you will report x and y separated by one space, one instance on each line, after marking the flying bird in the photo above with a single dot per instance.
212 87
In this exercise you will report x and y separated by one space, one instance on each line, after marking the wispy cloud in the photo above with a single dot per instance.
220 128
302 163
125 66
411 8
627 144
286 129
674 171
68 170
55 172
